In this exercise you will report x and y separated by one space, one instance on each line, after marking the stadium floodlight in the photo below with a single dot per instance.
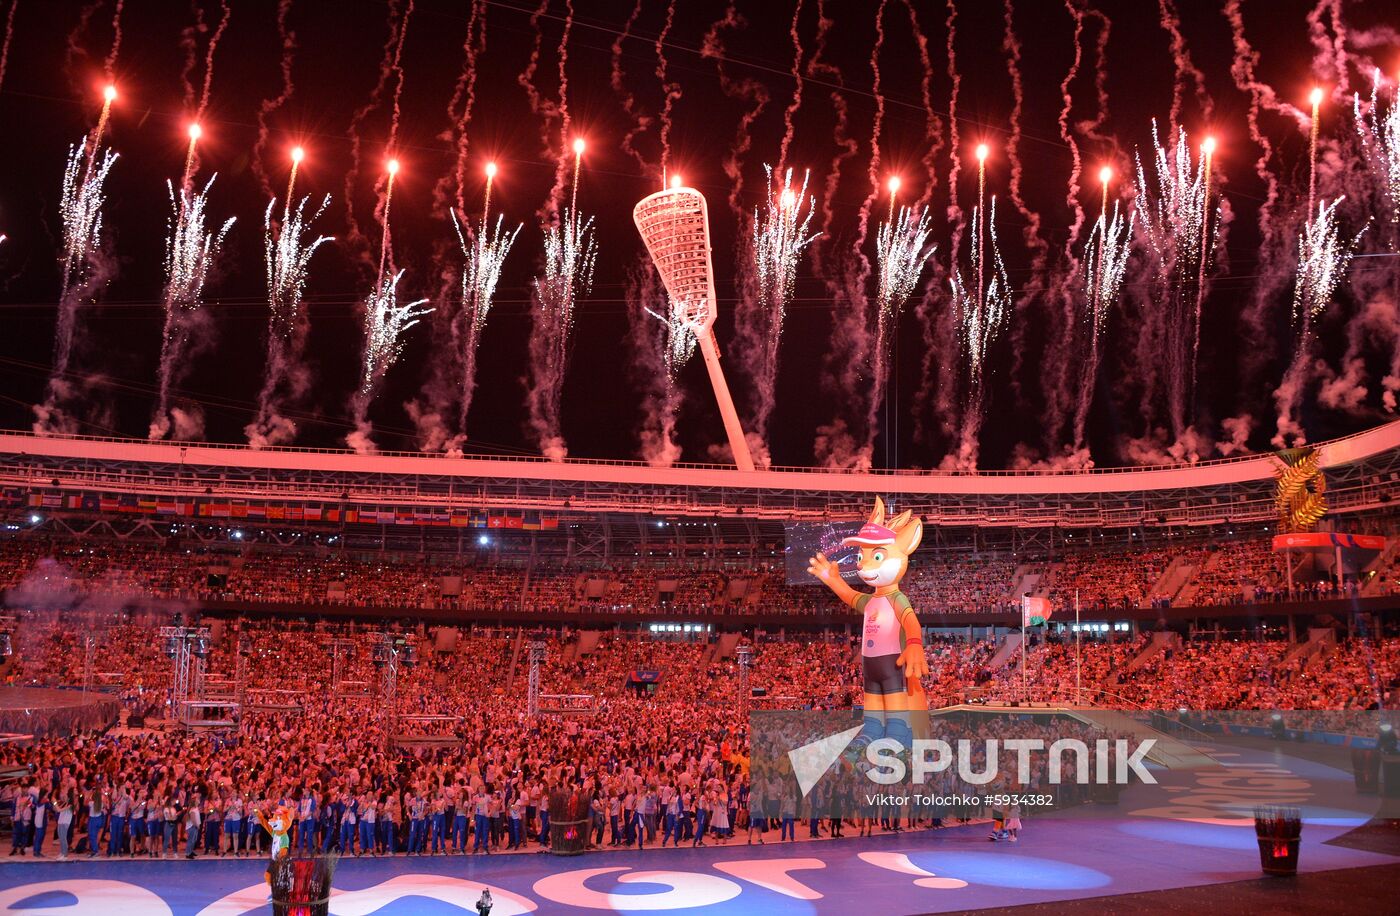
675 226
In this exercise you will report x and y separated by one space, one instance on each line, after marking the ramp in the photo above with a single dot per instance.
725 645
1006 652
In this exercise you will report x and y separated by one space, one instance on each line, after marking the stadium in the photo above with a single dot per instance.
914 457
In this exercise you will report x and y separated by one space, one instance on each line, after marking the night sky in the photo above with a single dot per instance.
51 94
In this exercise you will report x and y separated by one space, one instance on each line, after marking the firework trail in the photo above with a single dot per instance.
846 144
1067 135
288 40
1104 266
287 248
189 256
561 162
198 103
86 269
386 321
933 125
483 257
902 251
955 215
1037 245
450 190
658 348
74 50
751 92
795 104
442 388
780 233
109 66
570 252
846 269
389 67
672 90
1174 218
1323 257
1331 57
1379 130
640 121
981 314
9 34
1186 71
1274 271
1012 46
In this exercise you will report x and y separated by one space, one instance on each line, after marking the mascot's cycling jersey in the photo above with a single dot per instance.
883 634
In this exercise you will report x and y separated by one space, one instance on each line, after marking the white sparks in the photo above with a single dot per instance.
1105 263
1173 209
288 254
482 271
190 250
981 318
483 259
81 208
780 233
385 324
1380 138
1323 258
570 252
679 341
902 251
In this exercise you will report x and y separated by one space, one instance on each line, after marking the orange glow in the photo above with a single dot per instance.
393 166
1105 175
1315 97
894 184
1208 146
788 200
490 170
110 93
195 131
675 181
981 152
298 154
578 146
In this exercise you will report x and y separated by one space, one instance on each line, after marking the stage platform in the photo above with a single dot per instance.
55 710
934 871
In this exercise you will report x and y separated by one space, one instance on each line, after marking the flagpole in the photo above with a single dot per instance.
1078 659
1025 602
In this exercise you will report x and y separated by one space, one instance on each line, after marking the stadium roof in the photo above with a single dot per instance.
1363 472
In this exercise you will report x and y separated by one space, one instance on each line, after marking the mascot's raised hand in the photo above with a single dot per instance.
891 646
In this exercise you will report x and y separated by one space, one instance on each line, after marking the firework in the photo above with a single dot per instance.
189 255
678 340
780 233
482 271
385 323
1105 264
1177 229
1323 257
1380 138
981 313
901 253
288 254
81 209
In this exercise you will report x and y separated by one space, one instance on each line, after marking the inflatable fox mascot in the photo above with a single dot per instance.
891 646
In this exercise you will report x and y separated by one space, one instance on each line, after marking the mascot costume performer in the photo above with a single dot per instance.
891 646
277 827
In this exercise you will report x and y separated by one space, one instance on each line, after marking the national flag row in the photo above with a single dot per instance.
206 508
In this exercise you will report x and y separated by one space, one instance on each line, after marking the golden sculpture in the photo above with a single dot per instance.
1299 495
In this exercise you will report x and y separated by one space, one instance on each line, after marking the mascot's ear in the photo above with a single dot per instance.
908 538
900 520
877 515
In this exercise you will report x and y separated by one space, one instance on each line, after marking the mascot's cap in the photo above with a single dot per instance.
870 535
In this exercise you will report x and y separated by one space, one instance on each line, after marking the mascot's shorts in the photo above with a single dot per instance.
883 674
